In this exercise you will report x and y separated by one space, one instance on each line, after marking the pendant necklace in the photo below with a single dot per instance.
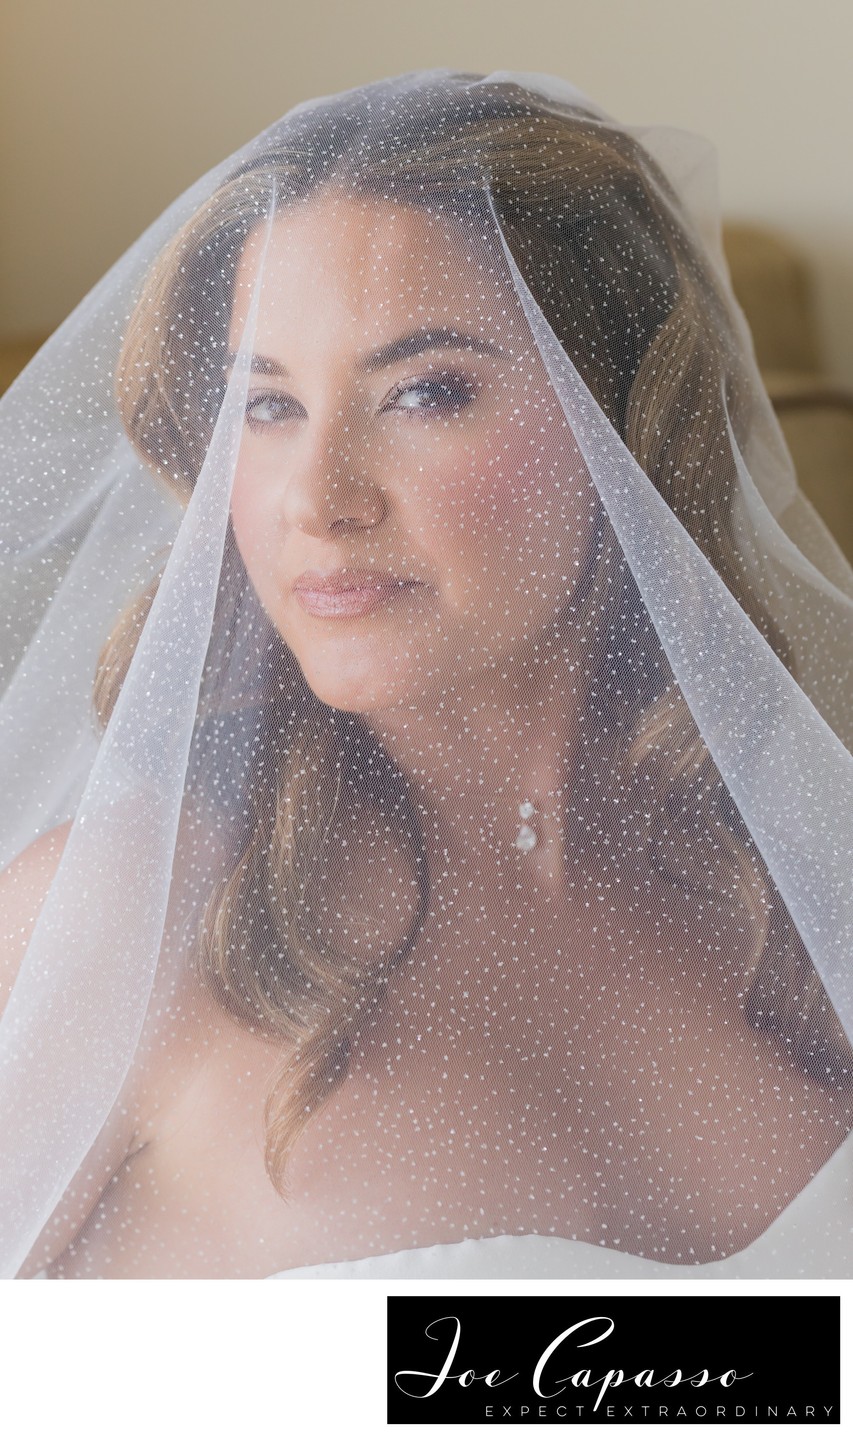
526 836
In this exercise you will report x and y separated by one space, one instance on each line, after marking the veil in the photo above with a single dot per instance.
426 717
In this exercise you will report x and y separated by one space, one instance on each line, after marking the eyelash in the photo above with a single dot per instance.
458 389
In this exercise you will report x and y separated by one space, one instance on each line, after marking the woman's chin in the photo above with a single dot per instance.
368 693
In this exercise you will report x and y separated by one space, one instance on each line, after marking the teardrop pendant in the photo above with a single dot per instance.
526 838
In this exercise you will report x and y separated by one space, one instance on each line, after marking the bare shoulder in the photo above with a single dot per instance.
24 885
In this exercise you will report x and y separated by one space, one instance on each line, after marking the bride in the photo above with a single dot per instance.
421 883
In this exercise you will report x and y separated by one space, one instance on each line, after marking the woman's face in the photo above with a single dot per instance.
401 439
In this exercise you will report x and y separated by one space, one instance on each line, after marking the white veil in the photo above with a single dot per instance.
508 893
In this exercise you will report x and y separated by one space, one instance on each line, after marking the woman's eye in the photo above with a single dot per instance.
445 395
265 409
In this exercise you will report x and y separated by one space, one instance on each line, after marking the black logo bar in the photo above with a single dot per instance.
667 1359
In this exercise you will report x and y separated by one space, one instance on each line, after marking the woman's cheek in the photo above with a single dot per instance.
255 531
540 487
514 506
496 488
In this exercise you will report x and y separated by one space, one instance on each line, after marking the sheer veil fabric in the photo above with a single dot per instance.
426 719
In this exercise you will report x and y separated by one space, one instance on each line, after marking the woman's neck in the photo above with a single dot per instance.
473 756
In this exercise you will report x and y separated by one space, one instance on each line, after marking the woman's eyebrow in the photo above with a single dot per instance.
405 347
423 339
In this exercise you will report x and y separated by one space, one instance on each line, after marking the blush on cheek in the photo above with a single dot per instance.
503 477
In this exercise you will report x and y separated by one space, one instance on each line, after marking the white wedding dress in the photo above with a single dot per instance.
811 1237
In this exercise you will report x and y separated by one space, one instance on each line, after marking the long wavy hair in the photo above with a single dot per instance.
652 336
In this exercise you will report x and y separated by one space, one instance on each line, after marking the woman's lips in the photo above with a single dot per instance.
346 597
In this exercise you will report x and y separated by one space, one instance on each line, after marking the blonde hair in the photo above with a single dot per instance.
556 178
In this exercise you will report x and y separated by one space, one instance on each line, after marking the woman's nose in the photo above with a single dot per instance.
332 485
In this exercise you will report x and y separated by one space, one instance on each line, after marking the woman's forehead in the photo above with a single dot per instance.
362 263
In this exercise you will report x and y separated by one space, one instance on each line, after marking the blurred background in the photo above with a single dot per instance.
110 108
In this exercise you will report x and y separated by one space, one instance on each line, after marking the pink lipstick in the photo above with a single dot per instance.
347 593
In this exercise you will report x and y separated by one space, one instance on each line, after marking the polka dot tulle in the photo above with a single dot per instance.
426 730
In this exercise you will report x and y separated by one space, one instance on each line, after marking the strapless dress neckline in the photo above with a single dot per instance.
811 1237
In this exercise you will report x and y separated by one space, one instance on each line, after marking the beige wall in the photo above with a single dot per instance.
111 107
